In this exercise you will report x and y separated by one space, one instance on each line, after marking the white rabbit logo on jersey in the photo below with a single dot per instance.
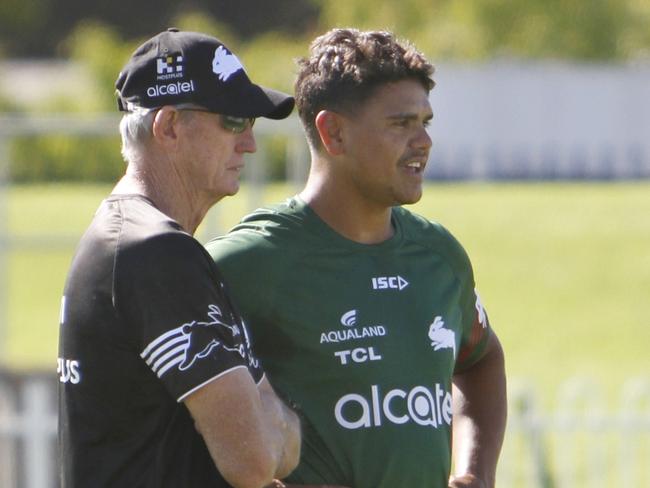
442 338
194 340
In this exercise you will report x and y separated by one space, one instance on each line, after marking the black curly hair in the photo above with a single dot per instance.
344 68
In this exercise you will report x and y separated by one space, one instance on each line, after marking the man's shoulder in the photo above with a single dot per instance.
431 235
288 215
267 229
136 234
141 219
127 225
421 229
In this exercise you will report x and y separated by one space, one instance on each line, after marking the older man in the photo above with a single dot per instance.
158 383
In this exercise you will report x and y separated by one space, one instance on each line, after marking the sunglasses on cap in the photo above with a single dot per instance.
236 125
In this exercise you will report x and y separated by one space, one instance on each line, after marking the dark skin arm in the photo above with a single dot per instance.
480 410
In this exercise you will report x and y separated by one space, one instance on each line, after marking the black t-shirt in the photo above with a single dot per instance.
145 321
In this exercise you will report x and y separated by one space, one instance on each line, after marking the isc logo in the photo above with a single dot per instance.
389 282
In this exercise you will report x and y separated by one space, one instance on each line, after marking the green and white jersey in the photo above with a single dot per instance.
364 339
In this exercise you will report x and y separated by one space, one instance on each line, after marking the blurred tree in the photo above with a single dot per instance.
200 21
23 22
270 59
65 158
570 29
8 106
562 29
635 40
565 29
440 28
18 17
101 49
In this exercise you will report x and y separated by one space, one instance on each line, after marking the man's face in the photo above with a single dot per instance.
215 154
387 145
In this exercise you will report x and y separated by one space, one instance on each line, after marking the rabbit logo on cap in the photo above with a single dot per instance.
225 64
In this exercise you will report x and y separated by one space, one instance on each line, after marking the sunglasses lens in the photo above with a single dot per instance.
236 124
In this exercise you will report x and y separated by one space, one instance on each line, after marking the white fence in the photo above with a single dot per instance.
583 442
28 431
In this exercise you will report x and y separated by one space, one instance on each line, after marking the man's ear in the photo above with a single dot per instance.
165 126
329 127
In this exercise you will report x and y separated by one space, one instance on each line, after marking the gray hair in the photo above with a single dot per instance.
136 130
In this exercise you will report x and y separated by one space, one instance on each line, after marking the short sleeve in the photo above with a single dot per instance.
476 331
182 321
476 328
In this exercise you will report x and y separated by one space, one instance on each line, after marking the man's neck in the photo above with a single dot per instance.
345 211
169 195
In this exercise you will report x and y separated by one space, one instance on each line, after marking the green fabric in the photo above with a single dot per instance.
344 329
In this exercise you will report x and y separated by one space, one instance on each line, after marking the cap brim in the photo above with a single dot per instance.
281 103
254 101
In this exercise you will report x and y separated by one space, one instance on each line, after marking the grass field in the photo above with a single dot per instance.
563 269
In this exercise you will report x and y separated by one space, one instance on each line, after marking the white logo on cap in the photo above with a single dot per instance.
169 67
176 88
168 64
225 64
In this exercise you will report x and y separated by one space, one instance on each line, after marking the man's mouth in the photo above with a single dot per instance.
415 166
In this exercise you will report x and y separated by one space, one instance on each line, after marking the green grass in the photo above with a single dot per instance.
563 269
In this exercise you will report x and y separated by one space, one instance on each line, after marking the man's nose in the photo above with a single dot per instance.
246 141
422 140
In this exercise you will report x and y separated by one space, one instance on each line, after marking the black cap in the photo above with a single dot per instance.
177 67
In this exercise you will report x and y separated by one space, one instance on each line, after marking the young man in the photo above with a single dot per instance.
158 384
365 314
